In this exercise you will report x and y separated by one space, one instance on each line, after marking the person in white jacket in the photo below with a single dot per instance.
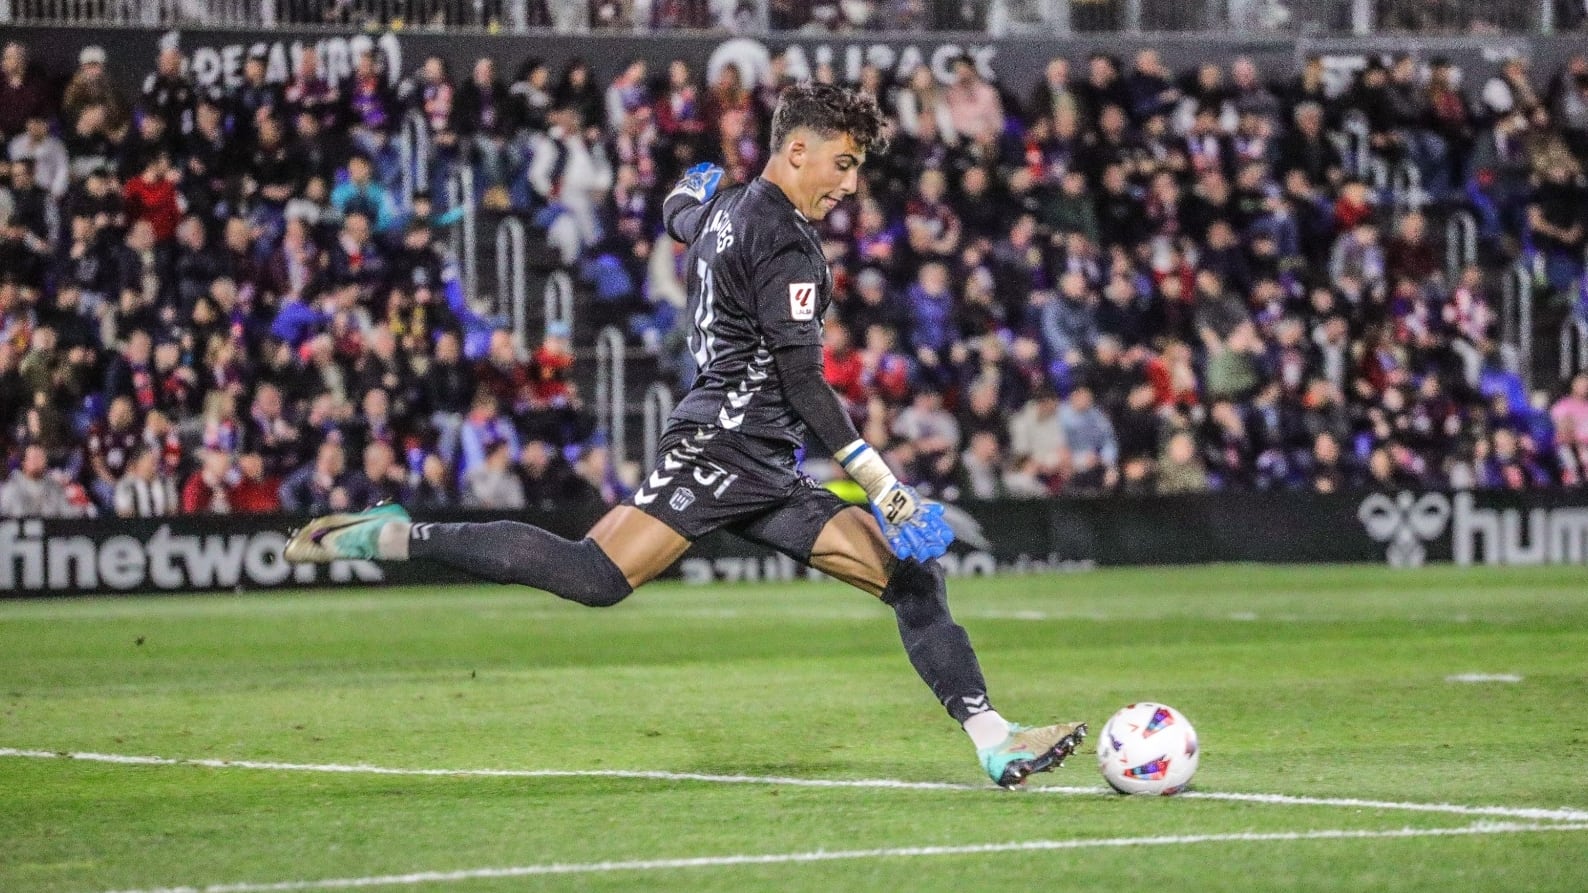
571 173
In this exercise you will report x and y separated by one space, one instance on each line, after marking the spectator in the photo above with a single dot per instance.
257 491
51 168
208 489
570 174
549 482
1069 320
935 437
1036 435
1089 435
32 491
145 491
361 194
434 488
318 488
492 485
151 197
91 87
23 94
1179 468
923 107
380 479
981 468
483 427
111 448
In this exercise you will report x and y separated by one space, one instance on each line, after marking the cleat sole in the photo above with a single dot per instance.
1016 773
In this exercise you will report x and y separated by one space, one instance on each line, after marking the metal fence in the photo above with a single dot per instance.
994 17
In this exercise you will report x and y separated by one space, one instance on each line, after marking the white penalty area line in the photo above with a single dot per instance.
1508 812
437 877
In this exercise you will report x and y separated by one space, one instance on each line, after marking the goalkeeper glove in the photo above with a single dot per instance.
914 527
699 182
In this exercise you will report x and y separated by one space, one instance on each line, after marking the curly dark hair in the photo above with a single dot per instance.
830 111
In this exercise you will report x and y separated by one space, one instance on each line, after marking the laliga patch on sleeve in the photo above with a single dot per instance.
802 300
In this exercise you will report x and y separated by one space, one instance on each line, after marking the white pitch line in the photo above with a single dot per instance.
437 877
1509 812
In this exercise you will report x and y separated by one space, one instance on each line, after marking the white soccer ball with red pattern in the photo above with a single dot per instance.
1147 748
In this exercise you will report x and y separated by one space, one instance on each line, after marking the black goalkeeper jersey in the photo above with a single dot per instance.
758 282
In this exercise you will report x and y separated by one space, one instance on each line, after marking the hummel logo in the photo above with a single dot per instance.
671 464
976 704
738 401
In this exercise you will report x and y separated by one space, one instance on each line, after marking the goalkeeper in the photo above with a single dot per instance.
758 286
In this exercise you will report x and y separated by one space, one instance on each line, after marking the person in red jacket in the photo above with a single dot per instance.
208 490
152 196
842 365
256 493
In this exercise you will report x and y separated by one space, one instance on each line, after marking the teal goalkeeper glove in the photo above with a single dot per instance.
913 526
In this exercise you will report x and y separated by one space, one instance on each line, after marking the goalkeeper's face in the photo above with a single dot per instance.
828 170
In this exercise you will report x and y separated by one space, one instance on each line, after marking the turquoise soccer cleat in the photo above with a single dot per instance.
343 536
1030 750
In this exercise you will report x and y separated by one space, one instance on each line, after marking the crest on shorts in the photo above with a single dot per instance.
682 499
802 300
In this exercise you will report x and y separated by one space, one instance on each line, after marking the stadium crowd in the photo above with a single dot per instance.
1130 281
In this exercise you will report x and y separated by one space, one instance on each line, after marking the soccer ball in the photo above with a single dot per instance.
1147 748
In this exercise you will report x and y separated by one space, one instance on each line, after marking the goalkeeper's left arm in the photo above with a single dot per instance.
913 526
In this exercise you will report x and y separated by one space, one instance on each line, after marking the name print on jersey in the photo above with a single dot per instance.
802 300
723 227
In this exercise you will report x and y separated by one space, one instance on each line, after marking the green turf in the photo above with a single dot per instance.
1318 682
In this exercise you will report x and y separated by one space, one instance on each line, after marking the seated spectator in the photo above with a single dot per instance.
257 491
548 480
111 448
934 434
1037 437
434 489
361 194
208 489
319 488
493 485
1094 451
483 427
981 468
380 479
145 490
1179 468
32 491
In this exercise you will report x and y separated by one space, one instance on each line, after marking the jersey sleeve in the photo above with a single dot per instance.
684 217
788 297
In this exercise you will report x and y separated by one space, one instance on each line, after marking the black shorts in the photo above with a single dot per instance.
707 478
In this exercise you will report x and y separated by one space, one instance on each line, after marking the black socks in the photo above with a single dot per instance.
938 647
511 552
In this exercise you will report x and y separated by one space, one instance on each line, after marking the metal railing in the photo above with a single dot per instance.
1516 321
512 279
414 150
1356 132
611 391
996 17
1573 347
1461 243
558 296
658 406
460 194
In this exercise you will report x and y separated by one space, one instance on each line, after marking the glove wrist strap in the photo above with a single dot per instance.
867 468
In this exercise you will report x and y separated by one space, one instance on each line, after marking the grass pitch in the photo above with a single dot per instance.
1325 684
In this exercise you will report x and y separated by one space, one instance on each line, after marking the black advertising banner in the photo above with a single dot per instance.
1404 529
215 55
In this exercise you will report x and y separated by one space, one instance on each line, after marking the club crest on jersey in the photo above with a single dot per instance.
682 499
802 300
